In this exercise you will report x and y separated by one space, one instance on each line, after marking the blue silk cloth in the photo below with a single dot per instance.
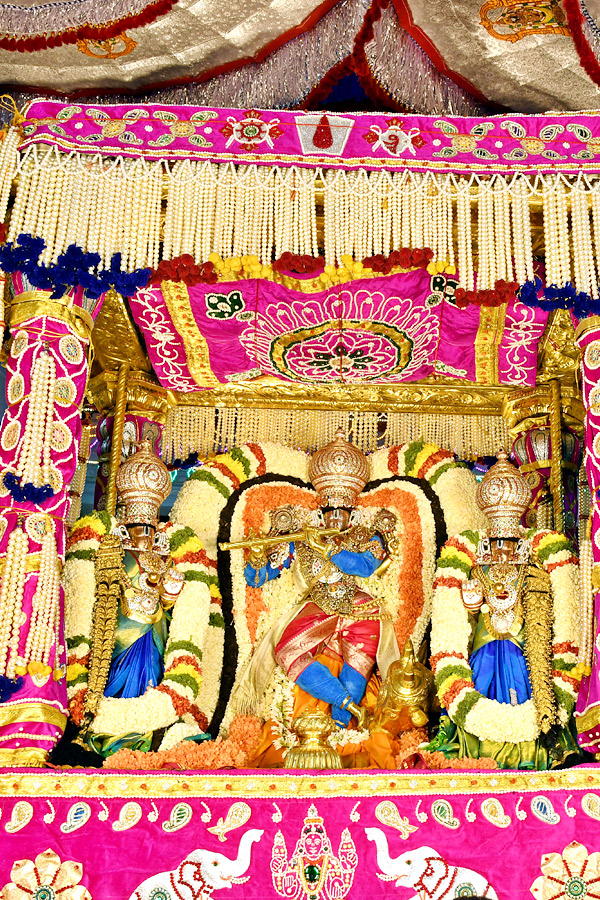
348 561
498 667
133 670
137 660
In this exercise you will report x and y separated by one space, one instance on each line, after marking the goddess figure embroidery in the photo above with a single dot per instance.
329 643
313 872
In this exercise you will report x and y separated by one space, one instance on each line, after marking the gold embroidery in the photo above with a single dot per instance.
32 712
32 757
196 348
487 342
260 785
511 20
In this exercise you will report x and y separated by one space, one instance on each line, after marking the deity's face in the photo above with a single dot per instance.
503 549
337 518
313 844
141 536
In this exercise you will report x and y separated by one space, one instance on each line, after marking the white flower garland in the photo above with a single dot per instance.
451 635
189 623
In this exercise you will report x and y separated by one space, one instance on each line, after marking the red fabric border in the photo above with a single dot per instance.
95 34
87 32
425 43
587 57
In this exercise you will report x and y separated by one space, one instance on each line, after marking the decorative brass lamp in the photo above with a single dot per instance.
313 728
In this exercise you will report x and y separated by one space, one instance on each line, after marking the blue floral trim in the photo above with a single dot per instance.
554 297
28 491
73 268
8 687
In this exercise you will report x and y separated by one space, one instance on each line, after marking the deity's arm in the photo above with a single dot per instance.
256 576
363 564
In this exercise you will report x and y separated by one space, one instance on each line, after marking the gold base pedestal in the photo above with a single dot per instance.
313 752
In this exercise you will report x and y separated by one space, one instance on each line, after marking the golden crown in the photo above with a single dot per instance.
338 472
504 496
143 483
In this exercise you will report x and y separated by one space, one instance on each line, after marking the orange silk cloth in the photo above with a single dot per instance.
378 752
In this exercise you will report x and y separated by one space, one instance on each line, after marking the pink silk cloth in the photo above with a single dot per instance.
354 641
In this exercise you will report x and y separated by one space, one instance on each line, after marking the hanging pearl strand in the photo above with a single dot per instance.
550 230
586 563
583 252
9 161
52 212
45 605
502 230
36 197
562 218
486 269
329 217
33 442
519 207
595 192
27 175
11 600
313 176
463 233
396 210
406 189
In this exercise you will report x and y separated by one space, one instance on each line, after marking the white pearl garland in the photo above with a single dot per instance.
34 462
43 625
11 600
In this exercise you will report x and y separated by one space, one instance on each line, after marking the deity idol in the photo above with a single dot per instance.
518 589
136 588
329 643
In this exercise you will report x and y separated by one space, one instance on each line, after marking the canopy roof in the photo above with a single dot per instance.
437 57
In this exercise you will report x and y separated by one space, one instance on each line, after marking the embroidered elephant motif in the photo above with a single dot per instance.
199 874
428 873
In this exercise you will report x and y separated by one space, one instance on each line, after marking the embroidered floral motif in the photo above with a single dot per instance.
114 128
183 128
464 143
571 876
112 48
45 879
530 145
251 131
394 139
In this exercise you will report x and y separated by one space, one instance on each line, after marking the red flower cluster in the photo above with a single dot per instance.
299 265
502 293
184 268
405 258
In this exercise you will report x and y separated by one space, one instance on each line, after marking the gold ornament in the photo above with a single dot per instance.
404 699
504 496
143 483
338 472
313 752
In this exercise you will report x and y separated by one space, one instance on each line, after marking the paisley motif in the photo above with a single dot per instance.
76 817
10 436
493 811
388 814
590 804
130 815
181 814
442 812
21 816
542 808
237 815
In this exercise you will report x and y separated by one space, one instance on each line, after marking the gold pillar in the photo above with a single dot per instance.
117 439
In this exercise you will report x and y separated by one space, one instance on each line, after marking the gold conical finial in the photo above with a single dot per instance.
338 472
